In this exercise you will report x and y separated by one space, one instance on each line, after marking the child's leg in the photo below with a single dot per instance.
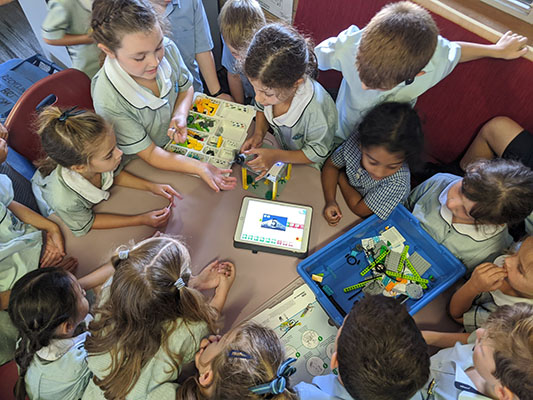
351 196
492 140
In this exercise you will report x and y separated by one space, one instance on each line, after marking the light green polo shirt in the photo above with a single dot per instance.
138 116
73 17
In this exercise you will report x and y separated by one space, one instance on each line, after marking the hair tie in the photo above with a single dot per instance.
279 383
71 112
123 254
179 283
239 354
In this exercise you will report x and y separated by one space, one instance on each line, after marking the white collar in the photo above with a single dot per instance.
463 381
478 233
171 6
299 102
85 188
137 95
86 4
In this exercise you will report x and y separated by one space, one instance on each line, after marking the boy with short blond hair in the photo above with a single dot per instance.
397 57
239 20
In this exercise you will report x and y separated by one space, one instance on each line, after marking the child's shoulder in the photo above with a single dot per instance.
440 180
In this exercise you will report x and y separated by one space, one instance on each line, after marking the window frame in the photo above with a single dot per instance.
515 8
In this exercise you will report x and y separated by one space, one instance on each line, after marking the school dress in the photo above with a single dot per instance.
448 368
339 53
138 116
191 33
470 244
184 340
488 302
234 67
59 370
70 196
323 387
73 17
381 196
308 125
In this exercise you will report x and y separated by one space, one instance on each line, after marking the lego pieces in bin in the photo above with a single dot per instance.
419 263
392 261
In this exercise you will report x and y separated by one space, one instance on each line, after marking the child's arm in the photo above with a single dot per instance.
509 46
4 300
70 40
129 180
206 63
155 219
266 158
485 278
236 87
330 177
444 339
178 124
222 290
97 278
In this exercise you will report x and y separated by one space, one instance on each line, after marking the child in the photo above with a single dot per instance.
67 24
280 65
372 166
498 366
238 21
191 33
82 157
397 57
470 215
47 306
248 362
373 362
144 88
509 280
150 320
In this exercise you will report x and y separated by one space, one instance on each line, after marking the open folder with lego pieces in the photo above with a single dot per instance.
216 130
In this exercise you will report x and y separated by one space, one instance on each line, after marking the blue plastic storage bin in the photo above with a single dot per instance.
338 274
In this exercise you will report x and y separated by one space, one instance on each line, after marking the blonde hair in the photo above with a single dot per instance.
239 20
233 376
143 309
69 137
510 329
396 45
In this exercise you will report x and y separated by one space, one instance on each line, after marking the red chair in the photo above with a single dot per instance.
66 88
8 378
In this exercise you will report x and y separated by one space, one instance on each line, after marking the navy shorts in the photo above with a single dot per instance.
521 149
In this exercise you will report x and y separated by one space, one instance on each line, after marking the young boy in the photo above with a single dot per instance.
498 366
397 57
380 355
239 20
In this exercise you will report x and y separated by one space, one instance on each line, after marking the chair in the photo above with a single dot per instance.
66 88
8 379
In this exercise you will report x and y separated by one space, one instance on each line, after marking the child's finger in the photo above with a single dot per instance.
174 192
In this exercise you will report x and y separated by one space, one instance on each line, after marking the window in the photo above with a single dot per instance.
522 9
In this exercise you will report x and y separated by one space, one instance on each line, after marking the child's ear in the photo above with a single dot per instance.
106 50
65 329
79 168
334 361
298 82
206 378
421 73
503 392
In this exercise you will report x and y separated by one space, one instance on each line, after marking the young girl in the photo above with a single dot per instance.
82 156
144 88
49 308
151 318
470 215
372 166
67 23
280 64
248 362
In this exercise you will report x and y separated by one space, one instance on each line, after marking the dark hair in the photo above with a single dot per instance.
40 301
278 56
501 189
112 19
395 126
144 307
382 354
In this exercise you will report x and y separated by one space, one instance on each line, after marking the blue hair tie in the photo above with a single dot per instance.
279 383
71 112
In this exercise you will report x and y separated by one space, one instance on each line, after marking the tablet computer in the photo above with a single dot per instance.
274 227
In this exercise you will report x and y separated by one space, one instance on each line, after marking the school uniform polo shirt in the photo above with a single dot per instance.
234 67
323 387
308 125
70 196
73 17
381 196
339 53
191 33
471 244
448 368
139 117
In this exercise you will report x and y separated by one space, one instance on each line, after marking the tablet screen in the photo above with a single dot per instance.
274 224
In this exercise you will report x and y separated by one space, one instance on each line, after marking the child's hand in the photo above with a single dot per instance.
68 263
225 96
264 160
156 219
512 45
3 132
487 277
209 277
54 249
253 142
165 191
216 179
227 278
332 213
3 150
177 130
